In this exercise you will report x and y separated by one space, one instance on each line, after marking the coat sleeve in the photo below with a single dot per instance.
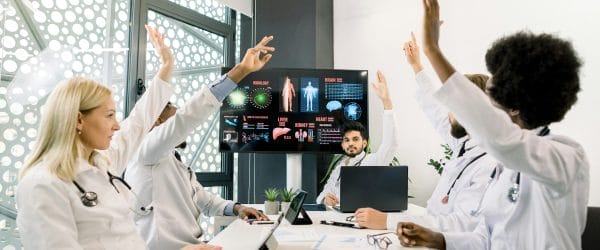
163 139
477 239
433 109
387 149
330 185
127 140
553 163
210 204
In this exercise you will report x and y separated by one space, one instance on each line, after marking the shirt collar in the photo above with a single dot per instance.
102 163
355 159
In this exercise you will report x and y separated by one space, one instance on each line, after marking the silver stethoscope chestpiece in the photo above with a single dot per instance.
89 199
513 193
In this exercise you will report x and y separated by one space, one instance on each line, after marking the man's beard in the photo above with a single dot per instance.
358 151
457 131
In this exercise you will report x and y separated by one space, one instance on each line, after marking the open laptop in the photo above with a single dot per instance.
384 188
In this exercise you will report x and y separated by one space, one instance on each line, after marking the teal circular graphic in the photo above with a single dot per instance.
352 111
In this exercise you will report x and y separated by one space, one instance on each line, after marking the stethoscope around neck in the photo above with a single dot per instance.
90 198
515 190
337 183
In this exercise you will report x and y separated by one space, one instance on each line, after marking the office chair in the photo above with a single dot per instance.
591 235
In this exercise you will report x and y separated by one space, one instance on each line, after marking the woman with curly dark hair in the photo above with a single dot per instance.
537 196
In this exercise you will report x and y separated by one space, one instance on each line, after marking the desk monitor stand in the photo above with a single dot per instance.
296 210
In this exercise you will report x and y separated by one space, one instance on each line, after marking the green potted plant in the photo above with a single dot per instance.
439 164
271 203
286 198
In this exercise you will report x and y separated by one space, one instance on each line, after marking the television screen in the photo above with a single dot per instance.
292 110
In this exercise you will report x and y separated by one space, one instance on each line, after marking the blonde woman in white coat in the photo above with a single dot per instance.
68 196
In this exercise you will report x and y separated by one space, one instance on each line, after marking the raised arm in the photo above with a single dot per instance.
387 149
434 110
164 53
200 106
382 92
431 36
413 54
252 61
146 110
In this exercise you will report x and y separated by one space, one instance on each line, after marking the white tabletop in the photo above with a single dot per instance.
242 235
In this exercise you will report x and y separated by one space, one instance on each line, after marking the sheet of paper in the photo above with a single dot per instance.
340 241
296 234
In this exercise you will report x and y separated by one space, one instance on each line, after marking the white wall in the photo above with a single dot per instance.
369 35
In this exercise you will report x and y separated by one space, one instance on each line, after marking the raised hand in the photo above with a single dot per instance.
412 53
252 61
163 52
411 234
381 90
431 24
431 36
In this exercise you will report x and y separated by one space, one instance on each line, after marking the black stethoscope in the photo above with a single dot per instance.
514 191
461 152
90 198
337 183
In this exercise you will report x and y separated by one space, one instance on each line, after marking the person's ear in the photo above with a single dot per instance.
79 126
513 112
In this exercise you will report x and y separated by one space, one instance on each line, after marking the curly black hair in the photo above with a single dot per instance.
538 75
355 126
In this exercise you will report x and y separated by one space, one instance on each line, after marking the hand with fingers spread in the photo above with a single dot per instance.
371 218
412 53
252 61
382 92
331 200
411 235
163 52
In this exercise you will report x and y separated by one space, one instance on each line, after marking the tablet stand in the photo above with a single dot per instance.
305 220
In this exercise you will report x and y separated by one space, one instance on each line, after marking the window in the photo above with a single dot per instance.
94 36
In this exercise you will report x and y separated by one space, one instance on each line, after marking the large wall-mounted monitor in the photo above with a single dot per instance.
292 110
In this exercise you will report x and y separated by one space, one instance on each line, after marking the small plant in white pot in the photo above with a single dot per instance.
286 198
271 203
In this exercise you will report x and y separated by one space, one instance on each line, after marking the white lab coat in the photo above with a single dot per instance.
162 181
50 212
469 188
551 210
383 156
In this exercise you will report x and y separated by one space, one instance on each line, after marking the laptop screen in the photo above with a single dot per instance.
384 188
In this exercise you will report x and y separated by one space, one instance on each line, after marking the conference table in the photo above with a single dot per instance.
240 234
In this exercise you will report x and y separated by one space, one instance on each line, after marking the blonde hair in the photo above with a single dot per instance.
58 144
480 80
